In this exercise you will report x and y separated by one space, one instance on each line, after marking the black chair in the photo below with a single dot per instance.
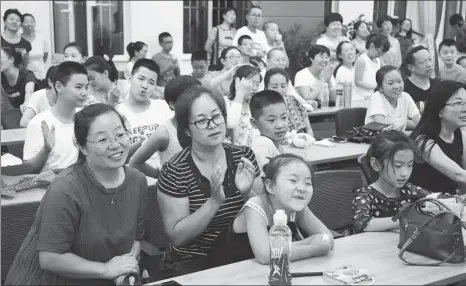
17 220
369 174
347 118
333 198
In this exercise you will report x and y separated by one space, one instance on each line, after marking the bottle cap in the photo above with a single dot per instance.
280 217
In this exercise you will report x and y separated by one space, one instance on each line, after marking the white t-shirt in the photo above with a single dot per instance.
39 101
331 45
36 56
128 70
258 37
398 116
344 74
305 78
63 154
146 122
264 149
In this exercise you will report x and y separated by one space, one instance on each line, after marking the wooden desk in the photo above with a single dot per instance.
376 252
13 136
333 110
319 154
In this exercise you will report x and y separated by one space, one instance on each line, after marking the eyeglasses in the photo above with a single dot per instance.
218 119
456 104
255 16
234 57
106 141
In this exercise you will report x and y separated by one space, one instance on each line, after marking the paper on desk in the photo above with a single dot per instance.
10 160
325 143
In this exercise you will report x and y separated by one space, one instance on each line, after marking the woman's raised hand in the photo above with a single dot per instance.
245 175
216 185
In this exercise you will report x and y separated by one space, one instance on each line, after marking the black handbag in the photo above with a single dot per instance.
434 235
365 133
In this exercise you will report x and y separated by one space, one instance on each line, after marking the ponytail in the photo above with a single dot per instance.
101 64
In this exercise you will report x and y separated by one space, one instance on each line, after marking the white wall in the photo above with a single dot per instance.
350 10
41 10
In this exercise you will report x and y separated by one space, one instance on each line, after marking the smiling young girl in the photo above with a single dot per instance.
346 55
389 104
391 156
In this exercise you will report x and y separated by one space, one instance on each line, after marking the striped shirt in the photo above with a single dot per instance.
225 39
180 178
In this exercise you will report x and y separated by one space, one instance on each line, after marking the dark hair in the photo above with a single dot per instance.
242 38
273 71
379 41
338 52
314 50
223 55
30 15
385 145
200 55
458 61
261 100
17 58
332 17
132 48
8 12
272 168
410 33
456 19
67 69
50 75
163 36
76 46
228 9
245 71
384 19
183 110
266 24
447 43
381 73
356 27
253 7
100 65
177 86
148 64
83 120
410 55
426 133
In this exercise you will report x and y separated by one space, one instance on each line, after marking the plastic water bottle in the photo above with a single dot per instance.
339 101
324 96
280 250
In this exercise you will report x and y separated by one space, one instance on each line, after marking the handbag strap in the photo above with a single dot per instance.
417 232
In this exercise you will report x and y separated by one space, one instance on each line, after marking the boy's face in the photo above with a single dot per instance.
463 63
273 122
167 44
448 54
199 68
246 48
272 31
143 84
74 92
277 60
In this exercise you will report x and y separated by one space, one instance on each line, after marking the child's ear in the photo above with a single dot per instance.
253 123
269 186
58 86
375 164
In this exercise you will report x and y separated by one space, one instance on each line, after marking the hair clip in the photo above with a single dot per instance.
106 57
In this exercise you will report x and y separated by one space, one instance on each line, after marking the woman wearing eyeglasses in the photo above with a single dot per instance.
441 140
202 188
90 222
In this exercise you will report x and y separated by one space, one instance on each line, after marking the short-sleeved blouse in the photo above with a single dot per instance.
369 203
16 94
77 216
180 178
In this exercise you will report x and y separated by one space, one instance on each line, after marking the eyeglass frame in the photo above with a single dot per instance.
456 104
209 120
114 139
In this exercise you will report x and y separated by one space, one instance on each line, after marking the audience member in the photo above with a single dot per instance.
441 140
168 63
221 36
309 81
163 139
136 51
419 84
254 19
451 70
406 37
391 158
144 114
277 79
389 104
13 19
70 83
230 61
245 83
332 35
90 224
367 65
457 23
361 32
199 64
40 50
41 100
74 52
346 55
462 61
203 188
248 53
393 55
103 79
274 38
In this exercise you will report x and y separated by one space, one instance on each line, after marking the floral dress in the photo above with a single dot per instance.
243 132
369 203
296 115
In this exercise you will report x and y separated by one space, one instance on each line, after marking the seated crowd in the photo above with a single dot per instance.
214 141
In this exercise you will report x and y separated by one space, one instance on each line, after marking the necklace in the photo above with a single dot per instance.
117 191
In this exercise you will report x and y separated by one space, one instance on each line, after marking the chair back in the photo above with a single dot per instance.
17 220
347 118
368 172
333 197
155 231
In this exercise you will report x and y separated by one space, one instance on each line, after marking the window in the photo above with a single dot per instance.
199 16
96 25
